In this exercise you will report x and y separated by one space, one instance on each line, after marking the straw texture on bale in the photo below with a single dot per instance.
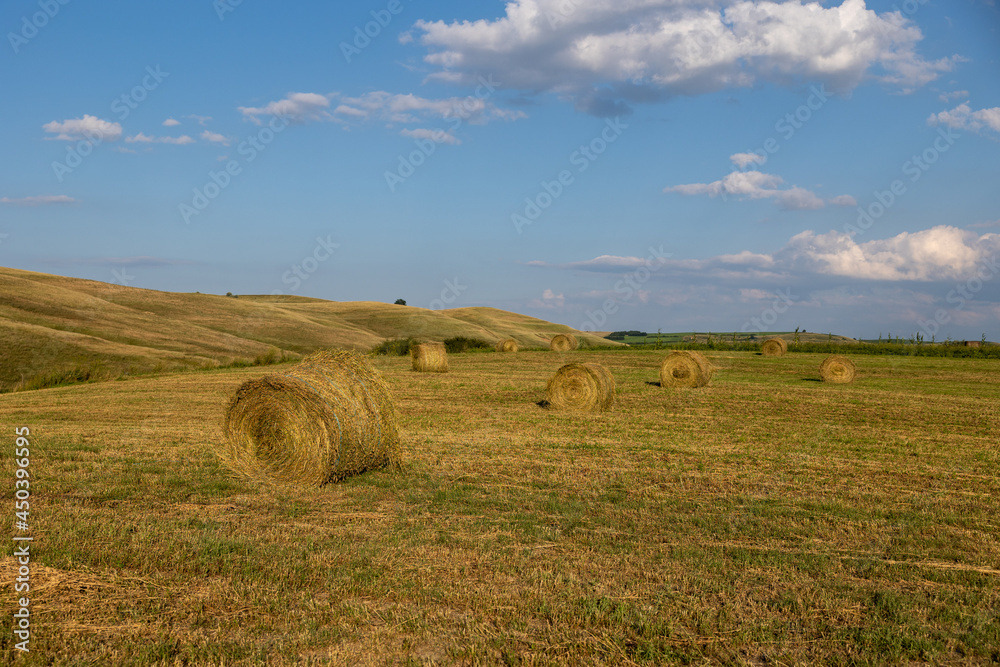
774 347
563 342
685 368
588 387
429 358
507 345
837 369
329 417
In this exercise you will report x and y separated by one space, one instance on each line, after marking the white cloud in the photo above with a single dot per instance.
549 300
88 127
396 108
146 139
956 95
40 200
741 160
963 117
437 136
214 137
202 120
297 107
598 52
939 253
754 185
170 122
843 200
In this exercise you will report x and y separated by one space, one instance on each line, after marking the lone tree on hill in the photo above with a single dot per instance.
400 302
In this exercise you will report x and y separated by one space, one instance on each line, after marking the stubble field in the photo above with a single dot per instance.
766 519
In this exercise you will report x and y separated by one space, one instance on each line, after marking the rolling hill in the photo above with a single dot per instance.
53 327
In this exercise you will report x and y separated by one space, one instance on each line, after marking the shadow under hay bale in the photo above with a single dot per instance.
329 417
774 347
563 343
429 358
837 369
589 387
506 345
685 368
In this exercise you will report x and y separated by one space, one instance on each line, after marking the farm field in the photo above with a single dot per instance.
766 519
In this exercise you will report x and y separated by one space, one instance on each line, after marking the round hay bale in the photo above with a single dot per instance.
507 345
587 387
563 343
429 358
774 347
329 417
685 368
837 369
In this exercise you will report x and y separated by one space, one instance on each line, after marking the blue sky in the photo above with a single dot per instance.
654 164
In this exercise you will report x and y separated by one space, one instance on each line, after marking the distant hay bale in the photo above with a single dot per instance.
837 369
774 347
563 343
589 387
507 345
429 358
685 368
328 417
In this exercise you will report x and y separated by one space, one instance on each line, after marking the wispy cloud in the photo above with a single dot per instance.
88 127
170 122
297 107
40 200
963 117
214 137
146 139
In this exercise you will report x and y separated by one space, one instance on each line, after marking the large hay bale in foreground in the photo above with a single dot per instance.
837 369
588 387
429 358
563 343
506 345
685 368
329 417
774 347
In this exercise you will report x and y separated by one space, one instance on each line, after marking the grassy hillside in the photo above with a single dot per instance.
54 328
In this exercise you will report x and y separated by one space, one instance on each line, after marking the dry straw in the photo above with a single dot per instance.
837 369
429 358
563 343
507 345
588 387
774 347
329 417
685 368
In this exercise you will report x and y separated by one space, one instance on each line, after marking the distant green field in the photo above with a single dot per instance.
731 336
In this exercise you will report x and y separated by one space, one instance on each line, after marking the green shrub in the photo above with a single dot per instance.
464 344
394 347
